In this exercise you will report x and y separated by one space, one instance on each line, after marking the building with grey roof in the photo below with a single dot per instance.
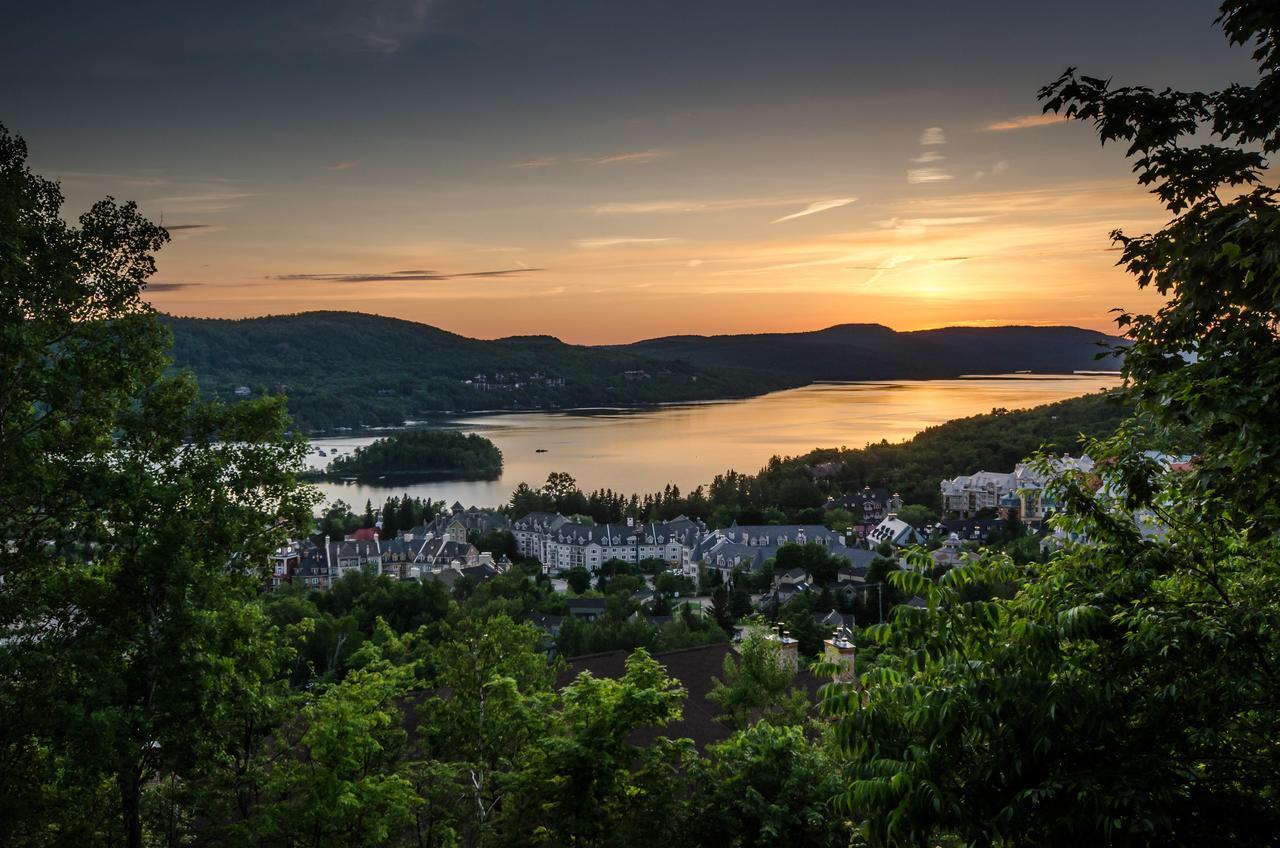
560 544
749 546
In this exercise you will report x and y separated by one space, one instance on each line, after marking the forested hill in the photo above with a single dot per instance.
349 369
875 352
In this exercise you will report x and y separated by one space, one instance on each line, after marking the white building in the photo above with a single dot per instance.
1023 488
560 544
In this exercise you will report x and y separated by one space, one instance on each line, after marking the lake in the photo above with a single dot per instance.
643 450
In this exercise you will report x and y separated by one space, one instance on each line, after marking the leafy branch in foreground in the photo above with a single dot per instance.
1126 692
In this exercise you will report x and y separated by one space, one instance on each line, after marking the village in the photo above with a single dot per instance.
678 564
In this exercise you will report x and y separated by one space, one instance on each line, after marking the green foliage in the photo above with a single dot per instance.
1124 692
1208 359
672 583
348 369
767 786
135 523
493 701
917 515
423 455
758 686
579 579
346 780
618 629
582 780
813 558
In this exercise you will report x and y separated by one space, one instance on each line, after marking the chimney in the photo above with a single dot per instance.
839 651
788 649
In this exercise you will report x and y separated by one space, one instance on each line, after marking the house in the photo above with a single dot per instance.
549 623
835 622
967 495
1023 489
873 504
977 530
895 532
312 570
284 565
851 584
950 554
443 553
587 609
748 547
353 554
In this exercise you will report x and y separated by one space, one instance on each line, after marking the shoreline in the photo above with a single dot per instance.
434 419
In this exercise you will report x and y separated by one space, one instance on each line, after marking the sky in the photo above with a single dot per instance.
609 171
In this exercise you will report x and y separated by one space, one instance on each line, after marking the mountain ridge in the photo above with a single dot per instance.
349 369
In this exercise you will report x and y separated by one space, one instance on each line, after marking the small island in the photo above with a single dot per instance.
421 455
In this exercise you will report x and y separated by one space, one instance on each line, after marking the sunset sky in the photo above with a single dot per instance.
607 171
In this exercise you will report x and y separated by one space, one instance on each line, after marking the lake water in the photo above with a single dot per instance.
644 450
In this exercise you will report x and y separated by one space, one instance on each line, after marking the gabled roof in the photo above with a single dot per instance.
695 669
585 603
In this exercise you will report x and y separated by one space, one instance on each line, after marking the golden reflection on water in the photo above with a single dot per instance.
642 451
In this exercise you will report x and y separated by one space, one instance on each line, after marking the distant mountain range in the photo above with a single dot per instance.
349 369
875 352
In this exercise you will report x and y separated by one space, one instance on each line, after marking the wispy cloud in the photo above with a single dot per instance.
933 136
341 166
885 267
918 176
918 223
651 207
636 157
414 275
384 26
164 287
998 168
535 162
615 241
927 157
1023 122
816 207
213 201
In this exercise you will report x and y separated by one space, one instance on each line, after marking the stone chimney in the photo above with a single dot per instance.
839 651
788 649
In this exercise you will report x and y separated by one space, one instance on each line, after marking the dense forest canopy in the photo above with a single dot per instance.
423 455
348 369
875 352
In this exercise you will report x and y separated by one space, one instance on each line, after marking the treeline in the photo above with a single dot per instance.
423 454
794 489
348 369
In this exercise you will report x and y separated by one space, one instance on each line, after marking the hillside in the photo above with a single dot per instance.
875 352
349 369
993 441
